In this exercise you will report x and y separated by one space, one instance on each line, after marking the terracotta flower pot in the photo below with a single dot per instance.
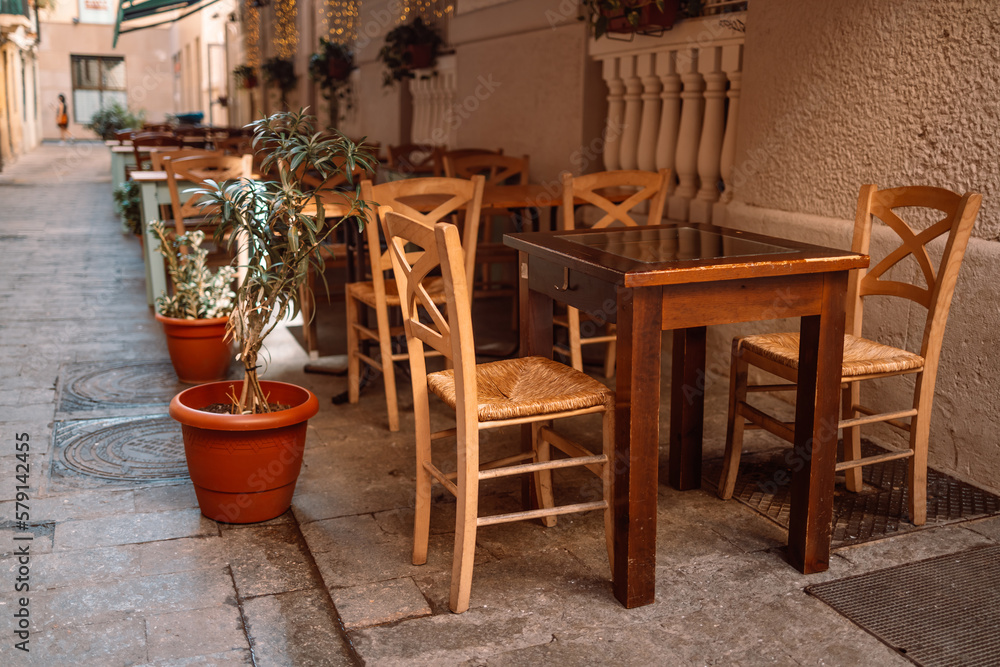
650 17
338 68
197 349
421 56
244 467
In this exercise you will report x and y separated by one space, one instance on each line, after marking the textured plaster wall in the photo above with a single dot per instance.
888 92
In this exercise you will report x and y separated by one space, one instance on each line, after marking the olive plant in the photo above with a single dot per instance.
280 225
198 292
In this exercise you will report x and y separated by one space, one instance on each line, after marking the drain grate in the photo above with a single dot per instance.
876 512
104 452
942 611
90 387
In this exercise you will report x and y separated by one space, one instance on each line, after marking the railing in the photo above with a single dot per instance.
673 102
17 7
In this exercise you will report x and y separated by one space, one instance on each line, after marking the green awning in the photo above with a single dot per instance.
141 14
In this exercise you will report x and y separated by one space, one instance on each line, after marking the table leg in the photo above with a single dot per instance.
637 444
821 352
156 277
687 408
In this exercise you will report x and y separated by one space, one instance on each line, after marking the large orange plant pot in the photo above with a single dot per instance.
197 348
244 467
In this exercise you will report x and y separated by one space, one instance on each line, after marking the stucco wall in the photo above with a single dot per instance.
888 92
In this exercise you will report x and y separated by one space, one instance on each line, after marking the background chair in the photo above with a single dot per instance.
426 199
415 159
142 141
594 190
498 169
531 390
866 359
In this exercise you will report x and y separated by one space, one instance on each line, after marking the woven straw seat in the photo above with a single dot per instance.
524 387
532 392
457 197
861 356
866 360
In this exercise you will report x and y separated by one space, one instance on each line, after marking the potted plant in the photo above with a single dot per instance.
280 72
642 16
330 67
408 47
194 317
112 118
128 204
244 440
246 77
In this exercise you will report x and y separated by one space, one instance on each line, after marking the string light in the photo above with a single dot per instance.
251 33
342 20
286 36
425 9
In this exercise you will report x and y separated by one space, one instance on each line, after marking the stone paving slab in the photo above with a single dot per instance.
193 633
295 629
268 559
132 529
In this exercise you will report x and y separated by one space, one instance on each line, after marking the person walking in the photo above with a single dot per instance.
62 120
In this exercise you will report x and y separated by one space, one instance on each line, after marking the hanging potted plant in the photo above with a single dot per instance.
280 72
195 316
246 77
244 440
409 46
331 67
637 16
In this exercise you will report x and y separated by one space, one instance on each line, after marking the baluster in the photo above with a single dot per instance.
670 114
713 125
650 125
447 103
732 62
633 113
689 135
616 115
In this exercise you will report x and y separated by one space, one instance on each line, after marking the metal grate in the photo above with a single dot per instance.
93 387
943 611
95 453
876 512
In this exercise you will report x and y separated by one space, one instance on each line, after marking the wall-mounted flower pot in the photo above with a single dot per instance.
244 467
421 55
339 69
197 348
650 18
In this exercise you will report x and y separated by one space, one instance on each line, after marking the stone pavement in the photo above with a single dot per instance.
127 572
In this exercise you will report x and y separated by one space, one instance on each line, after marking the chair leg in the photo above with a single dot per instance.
575 352
851 396
920 426
734 424
466 513
543 478
353 347
607 479
388 372
610 353
422 507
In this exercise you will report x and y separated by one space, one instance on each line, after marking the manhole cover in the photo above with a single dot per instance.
87 387
98 452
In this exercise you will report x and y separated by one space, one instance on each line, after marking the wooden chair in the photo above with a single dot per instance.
415 159
460 153
866 359
594 190
141 141
447 196
156 158
511 392
498 169
196 170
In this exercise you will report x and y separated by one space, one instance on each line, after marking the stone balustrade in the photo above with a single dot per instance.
433 92
673 102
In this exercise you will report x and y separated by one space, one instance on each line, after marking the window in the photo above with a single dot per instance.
98 82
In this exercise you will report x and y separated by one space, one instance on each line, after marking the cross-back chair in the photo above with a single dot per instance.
420 159
143 140
196 170
531 390
425 199
866 359
498 169
156 158
594 190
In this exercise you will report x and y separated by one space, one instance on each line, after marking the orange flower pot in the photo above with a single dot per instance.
244 467
197 348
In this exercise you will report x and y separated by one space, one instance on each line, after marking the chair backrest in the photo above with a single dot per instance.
156 158
428 200
415 159
438 245
635 186
142 140
234 144
195 171
498 169
960 213
458 153
124 135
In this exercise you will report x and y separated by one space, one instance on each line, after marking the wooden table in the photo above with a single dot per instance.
685 277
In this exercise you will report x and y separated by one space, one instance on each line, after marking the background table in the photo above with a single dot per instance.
685 277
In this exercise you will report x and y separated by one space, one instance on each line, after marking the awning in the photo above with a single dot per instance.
141 14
